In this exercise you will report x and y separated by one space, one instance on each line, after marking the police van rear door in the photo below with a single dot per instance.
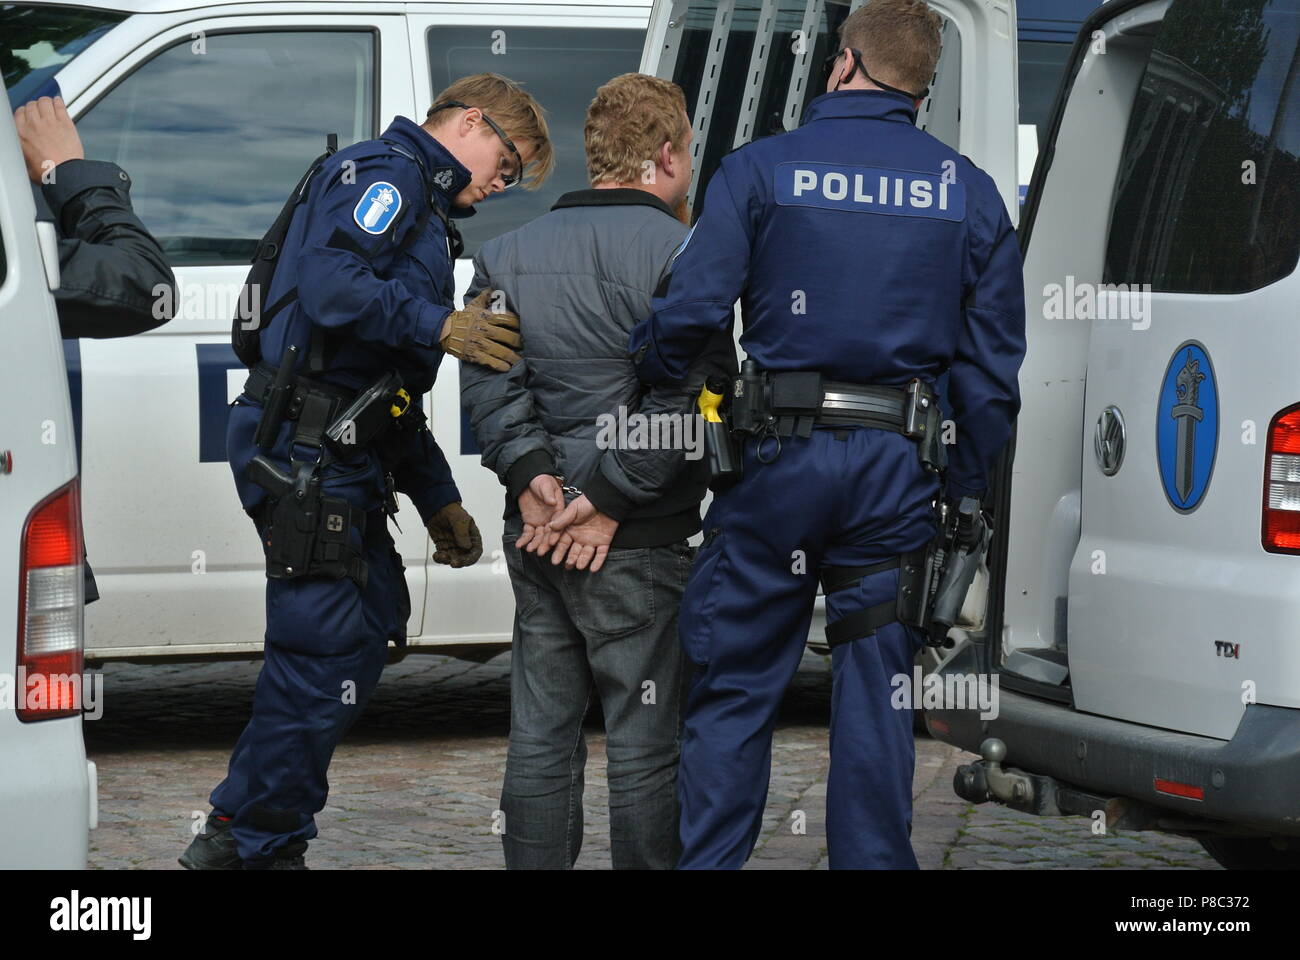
1168 234
750 67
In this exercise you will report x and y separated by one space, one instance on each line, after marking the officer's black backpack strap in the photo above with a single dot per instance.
246 336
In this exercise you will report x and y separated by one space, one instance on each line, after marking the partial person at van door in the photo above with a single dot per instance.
114 279
598 617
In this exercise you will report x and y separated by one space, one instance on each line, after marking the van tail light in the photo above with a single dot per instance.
50 593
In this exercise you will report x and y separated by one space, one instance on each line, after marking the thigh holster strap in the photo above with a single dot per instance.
835 579
859 623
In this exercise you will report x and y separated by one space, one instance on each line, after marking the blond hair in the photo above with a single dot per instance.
899 40
631 117
514 110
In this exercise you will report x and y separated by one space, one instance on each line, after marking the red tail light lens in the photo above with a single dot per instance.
50 594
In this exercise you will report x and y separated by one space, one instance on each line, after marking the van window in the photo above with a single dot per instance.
561 67
725 92
1208 194
744 104
38 42
215 131
1042 64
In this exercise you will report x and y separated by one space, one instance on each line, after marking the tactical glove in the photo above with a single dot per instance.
478 335
456 540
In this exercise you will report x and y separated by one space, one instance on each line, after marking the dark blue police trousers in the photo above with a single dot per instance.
844 497
325 647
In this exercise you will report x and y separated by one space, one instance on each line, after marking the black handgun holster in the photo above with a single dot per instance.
307 532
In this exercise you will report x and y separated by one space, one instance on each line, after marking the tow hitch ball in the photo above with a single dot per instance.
986 780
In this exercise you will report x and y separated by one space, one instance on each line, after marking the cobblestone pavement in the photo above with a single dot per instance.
416 782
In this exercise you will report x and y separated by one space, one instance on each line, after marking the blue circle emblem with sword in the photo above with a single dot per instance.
1187 426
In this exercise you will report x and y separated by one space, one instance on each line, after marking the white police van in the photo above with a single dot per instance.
47 795
1141 580
1145 578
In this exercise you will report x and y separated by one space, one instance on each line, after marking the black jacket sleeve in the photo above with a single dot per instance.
114 280
627 479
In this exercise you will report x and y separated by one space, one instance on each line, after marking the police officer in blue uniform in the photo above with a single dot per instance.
869 258
359 315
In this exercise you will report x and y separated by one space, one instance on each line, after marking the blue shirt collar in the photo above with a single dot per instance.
436 159
865 104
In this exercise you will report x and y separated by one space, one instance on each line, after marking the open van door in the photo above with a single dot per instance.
1145 585
1149 554
750 67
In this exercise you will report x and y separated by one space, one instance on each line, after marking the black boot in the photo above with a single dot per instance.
213 849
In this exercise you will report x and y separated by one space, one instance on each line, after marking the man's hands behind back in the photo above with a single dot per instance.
584 534
580 534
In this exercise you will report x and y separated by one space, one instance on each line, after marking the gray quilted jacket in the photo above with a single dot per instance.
580 278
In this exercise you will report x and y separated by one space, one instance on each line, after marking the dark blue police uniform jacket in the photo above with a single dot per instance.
379 295
869 251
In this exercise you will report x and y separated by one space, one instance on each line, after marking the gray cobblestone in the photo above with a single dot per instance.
417 781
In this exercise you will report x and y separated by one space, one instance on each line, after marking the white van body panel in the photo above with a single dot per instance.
1045 484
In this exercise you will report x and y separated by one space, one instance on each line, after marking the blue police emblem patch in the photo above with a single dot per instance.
1187 426
377 207
898 193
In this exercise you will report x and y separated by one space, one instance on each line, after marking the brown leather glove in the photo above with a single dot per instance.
478 335
456 540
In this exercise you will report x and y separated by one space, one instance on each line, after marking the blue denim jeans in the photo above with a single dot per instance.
610 635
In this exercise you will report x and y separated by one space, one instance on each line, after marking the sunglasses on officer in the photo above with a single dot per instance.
829 64
510 172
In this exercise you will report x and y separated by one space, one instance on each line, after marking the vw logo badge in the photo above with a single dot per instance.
1108 441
